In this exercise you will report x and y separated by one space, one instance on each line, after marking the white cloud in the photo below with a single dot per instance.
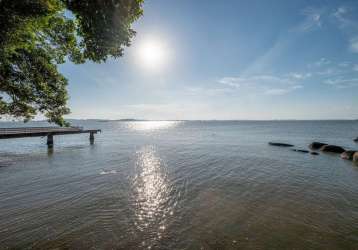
313 19
353 44
342 83
276 91
344 64
265 84
231 81
340 12
242 81
321 62
300 76
324 68
297 87
329 71
282 91
348 24
340 15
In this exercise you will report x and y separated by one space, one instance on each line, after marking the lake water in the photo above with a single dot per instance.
180 185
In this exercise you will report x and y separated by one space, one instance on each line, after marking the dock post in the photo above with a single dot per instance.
50 140
91 137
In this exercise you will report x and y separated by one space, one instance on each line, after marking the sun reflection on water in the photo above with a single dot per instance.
151 125
152 193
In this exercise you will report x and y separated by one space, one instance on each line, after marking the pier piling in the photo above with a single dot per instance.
50 140
91 138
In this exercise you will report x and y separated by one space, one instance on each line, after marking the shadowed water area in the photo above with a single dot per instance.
180 185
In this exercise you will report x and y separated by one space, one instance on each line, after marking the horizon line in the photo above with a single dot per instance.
183 120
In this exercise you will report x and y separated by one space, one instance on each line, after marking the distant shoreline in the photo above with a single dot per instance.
199 120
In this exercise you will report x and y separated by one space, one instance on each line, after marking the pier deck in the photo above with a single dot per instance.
9 133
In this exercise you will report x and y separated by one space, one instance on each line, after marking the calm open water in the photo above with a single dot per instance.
180 185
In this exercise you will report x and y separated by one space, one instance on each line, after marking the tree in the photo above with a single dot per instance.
38 35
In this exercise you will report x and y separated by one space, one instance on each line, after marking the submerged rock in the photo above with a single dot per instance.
332 149
314 153
279 144
356 139
317 145
300 150
348 155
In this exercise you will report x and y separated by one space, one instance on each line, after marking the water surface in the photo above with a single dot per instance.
180 185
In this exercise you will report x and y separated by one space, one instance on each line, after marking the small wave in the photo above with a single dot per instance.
108 172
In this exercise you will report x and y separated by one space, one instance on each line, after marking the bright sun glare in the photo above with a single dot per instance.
153 54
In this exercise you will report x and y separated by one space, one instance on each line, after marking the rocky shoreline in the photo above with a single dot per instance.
351 155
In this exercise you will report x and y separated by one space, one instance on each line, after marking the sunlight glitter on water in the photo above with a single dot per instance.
151 125
152 192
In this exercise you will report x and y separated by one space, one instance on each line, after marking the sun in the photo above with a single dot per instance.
153 54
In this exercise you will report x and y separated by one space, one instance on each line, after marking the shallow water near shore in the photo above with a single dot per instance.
180 185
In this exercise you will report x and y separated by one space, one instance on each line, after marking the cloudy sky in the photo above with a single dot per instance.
210 59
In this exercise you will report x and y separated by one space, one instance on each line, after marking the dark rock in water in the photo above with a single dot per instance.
278 144
314 153
348 155
333 149
300 150
355 158
317 145
356 139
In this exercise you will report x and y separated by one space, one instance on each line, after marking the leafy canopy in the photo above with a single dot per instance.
38 35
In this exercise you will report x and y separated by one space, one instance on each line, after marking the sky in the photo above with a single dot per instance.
230 60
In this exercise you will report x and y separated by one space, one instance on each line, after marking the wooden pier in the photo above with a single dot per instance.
9 133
